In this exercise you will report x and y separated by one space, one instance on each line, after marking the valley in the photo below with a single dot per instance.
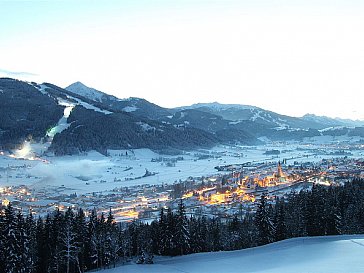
93 150
137 183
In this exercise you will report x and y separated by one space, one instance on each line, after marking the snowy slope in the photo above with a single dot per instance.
138 106
333 254
236 112
85 91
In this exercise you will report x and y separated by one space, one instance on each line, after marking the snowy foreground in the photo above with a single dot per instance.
331 254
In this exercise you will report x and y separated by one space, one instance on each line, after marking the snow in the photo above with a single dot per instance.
332 128
331 254
126 167
62 123
220 107
89 106
87 92
146 127
66 103
322 140
42 89
130 109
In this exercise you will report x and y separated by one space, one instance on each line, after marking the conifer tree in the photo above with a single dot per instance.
11 241
2 241
69 244
91 245
31 231
264 223
280 223
80 229
55 241
182 235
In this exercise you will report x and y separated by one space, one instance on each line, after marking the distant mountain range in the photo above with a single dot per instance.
99 121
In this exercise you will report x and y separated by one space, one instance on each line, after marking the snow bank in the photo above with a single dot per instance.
332 254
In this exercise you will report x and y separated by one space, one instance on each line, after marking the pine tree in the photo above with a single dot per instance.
279 223
91 245
100 238
333 221
23 246
80 229
162 223
112 246
55 241
2 241
31 230
264 223
11 241
233 239
214 235
70 249
168 234
182 235
198 231
43 234
248 231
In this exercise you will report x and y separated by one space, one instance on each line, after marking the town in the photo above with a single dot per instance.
232 191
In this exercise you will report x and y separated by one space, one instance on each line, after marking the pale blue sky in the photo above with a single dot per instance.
292 57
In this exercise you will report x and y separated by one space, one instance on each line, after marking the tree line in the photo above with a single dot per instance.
70 241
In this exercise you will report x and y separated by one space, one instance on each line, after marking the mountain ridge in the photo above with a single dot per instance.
100 121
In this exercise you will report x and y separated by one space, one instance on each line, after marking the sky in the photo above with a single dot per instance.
289 56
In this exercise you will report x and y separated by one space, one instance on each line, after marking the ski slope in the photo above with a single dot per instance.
331 254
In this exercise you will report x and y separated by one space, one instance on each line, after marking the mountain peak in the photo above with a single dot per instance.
83 90
78 83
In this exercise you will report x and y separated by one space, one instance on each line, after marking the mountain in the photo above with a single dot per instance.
329 254
100 124
81 119
80 89
225 130
137 106
349 122
25 112
31 110
326 121
198 119
235 112
93 130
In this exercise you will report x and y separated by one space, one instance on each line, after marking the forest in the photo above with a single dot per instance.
24 113
78 241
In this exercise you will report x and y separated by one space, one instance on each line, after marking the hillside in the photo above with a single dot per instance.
332 254
235 112
25 112
80 119
92 130
137 106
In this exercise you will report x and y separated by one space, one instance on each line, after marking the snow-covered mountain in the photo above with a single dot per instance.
236 112
80 89
100 121
331 254
328 122
333 122
136 106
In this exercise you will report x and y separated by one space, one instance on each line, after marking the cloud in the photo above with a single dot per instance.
9 73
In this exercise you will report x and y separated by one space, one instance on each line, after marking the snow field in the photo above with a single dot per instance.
331 254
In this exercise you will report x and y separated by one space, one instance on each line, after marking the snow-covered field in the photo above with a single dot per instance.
332 254
94 172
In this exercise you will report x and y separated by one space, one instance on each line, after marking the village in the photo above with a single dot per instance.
234 190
